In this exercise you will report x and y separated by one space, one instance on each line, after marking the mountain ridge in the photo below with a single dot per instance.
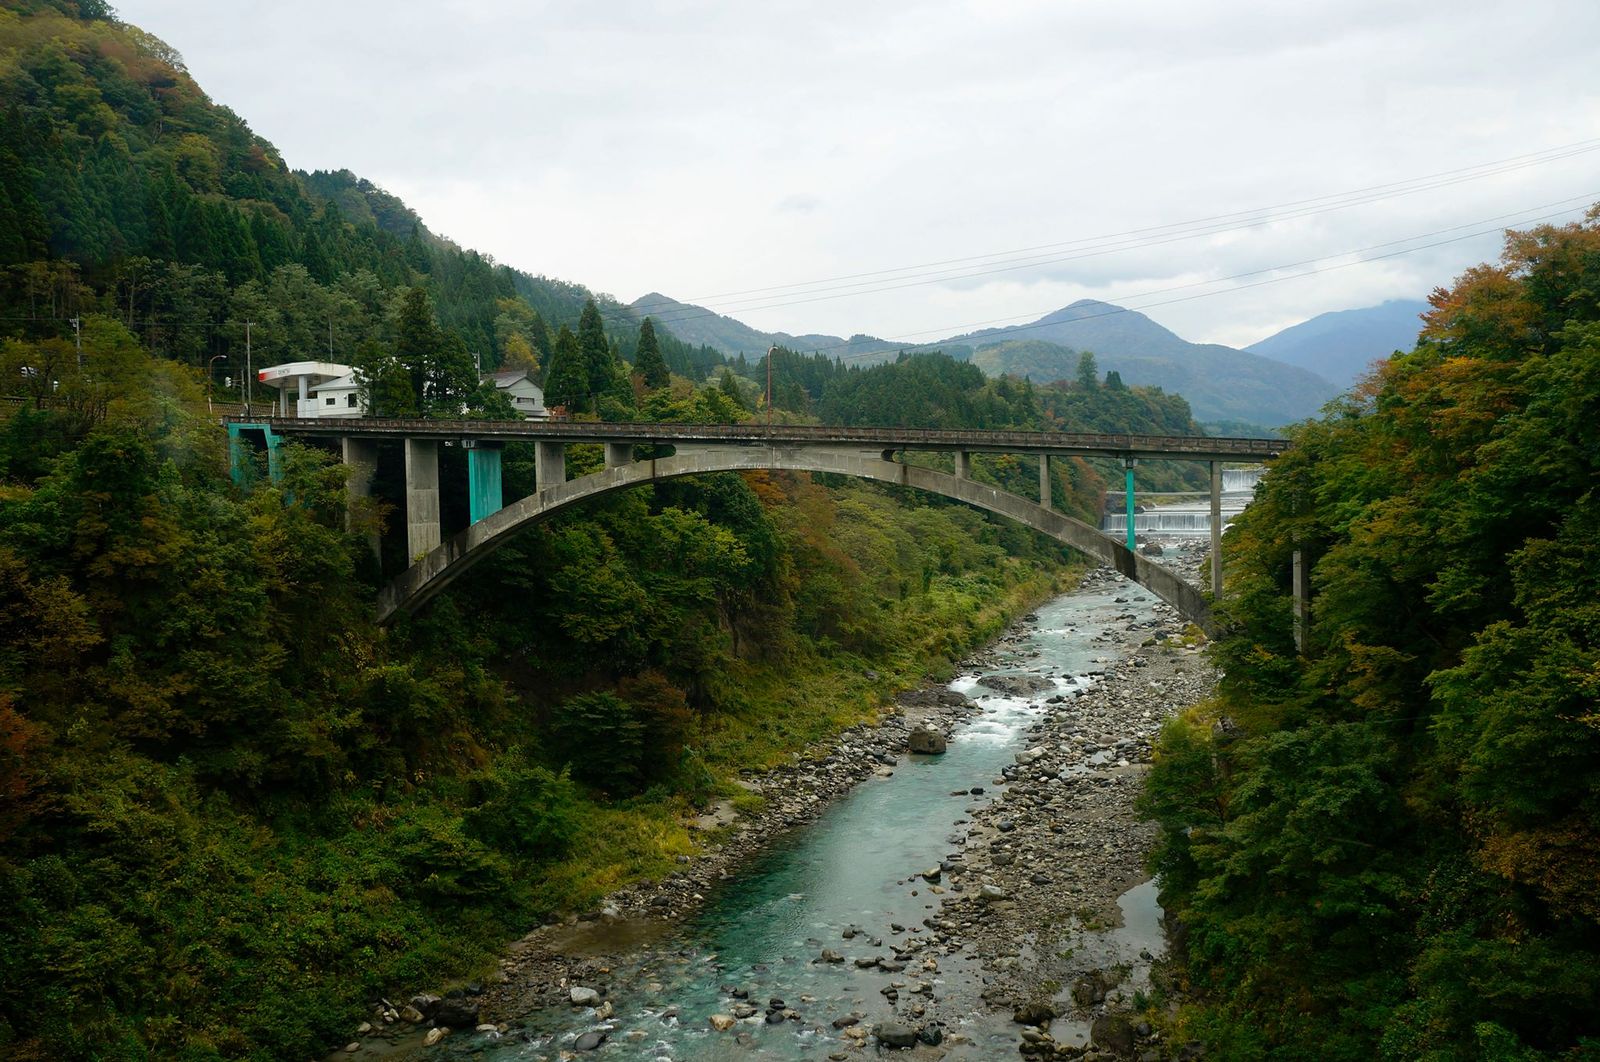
1342 344
699 325
1221 383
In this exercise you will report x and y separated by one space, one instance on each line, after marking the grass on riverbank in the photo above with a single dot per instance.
782 718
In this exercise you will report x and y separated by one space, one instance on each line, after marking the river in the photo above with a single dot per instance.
852 882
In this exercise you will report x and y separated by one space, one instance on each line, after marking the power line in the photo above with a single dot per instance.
919 283
1114 310
1584 199
1212 225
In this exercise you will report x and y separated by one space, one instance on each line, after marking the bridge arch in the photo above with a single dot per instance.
434 571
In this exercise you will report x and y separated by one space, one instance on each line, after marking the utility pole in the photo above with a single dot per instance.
249 372
77 338
770 351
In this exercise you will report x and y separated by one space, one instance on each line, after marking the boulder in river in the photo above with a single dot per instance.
583 997
894 1035
1089 989
927 741
1114 1033
457 1013
1034 1014
590 1040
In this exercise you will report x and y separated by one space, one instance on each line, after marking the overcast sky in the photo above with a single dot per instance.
705 149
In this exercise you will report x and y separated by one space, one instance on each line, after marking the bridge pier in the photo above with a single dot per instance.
422 497
360 463
1216 530
484 483
1128 493
963 465
549 464
619 454
239 452
1044 481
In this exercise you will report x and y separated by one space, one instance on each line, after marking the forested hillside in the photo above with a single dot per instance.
232 808
125 191
1386 846
932 390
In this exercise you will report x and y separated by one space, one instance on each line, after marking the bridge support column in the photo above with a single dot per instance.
963 465
1044 481
238 457
484 496
422 497
1302 603
239 453
1128 493
618 454
360 462
549 464
1216 530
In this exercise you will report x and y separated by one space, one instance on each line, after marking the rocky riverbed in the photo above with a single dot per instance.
1061 844
1025 902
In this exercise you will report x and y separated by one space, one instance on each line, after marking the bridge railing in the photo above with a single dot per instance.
888 438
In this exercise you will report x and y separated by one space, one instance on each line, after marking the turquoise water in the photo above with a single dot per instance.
857 865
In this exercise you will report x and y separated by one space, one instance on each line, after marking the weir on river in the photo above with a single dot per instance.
1182 514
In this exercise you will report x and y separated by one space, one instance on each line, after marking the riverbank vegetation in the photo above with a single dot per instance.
235 807
1385 846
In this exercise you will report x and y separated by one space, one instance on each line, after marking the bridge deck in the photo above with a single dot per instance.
1083 444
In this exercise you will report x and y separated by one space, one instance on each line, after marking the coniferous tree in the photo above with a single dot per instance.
595 349
730 387
1088 372
567 383
416 337
648 362
539 336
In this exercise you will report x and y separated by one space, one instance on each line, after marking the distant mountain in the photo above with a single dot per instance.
697 325
1221 383
1342 344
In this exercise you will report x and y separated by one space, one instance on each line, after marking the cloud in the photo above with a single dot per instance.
799 203
701 148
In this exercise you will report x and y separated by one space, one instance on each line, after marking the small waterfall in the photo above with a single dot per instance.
1185 515
1241 479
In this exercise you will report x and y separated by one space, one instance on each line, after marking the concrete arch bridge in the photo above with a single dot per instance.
867 453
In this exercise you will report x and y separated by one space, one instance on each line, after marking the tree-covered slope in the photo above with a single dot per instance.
232 808
1385 846
125 190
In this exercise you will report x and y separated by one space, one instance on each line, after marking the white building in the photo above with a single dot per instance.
328 389
526 396
312 389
